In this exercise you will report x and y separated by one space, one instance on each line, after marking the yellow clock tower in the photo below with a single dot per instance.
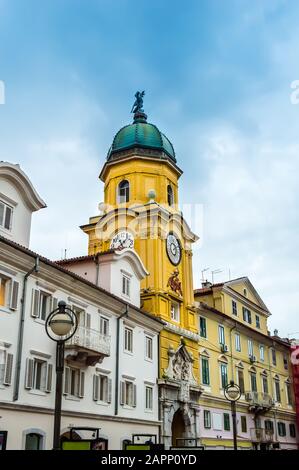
140 212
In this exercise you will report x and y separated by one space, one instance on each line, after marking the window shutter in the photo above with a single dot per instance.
49 378
67 376
122 393
8 369
35 303
14 295
29 373
109 395
81 385
95 387
134 395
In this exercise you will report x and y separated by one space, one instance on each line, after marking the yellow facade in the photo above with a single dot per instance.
149 221
248 351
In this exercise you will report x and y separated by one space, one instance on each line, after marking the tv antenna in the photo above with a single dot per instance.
215 271
204 270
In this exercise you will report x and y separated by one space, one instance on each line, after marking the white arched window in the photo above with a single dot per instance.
170 198
124 191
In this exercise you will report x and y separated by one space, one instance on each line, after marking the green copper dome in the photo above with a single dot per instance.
143 135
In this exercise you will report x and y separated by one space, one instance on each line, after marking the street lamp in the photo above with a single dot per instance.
232 393
61 325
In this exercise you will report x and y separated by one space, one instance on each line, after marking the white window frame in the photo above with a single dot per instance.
128 340
125 285
48 296
3 221
149 349
175 312
42 365
207 424
262 352
250 347
129 393
238 342
104 325
149 398
221 334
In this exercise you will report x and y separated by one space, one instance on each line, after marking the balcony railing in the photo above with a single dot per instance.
259 400
89 344
261 435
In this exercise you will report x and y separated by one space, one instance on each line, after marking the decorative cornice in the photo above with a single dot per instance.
181 331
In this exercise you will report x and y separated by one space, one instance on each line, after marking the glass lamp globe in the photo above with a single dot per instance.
233 393
61 324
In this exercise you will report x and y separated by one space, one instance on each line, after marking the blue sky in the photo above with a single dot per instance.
217 76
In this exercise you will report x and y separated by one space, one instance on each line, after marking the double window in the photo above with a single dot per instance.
127 393
205 373
148 398
170 198
257 321
221 335
202 327
289 393
240 376
273 357
234 308
38 375
281 428
250 348
126 285
207 419
6 212
102 387
238 342
243 424
149 348
253 381
42 303
292 429
246 315
104 326
74 382
223 374
6 363
277 390
265 383
226 422
128 339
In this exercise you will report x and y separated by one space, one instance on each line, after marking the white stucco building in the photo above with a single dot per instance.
111 363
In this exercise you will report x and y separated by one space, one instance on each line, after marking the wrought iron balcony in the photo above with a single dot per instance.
259 401
261 435
87 346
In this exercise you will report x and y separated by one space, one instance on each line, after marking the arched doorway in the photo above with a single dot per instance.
178 427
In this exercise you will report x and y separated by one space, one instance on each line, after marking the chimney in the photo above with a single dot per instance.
206 284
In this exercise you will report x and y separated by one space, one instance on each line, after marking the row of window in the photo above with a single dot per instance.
222 422
247 317
250 350
39 377
123 193
205 380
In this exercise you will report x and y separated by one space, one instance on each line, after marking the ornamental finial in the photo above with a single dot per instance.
137 108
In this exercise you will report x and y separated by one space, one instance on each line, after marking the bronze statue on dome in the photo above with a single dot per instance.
138 104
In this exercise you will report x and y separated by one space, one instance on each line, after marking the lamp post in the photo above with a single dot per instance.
61 325
232 393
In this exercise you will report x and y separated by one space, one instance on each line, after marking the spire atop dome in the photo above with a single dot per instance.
137 108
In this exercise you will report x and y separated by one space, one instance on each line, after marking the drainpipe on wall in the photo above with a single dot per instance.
21 330
126 313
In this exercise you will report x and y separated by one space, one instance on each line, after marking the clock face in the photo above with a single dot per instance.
173 248
122 240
